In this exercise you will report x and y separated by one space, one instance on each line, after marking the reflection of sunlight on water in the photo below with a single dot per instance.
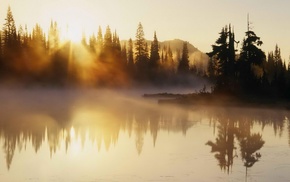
76 144
86 116
76 147
72 133
98 137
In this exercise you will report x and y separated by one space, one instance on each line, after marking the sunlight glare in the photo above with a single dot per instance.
71 32
74 34
72 133
75 145
73 24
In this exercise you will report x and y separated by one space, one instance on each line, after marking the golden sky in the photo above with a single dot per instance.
198 22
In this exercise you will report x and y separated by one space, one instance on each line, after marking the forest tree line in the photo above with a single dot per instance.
101 60
248 71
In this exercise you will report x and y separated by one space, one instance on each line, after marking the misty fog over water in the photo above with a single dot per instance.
117 135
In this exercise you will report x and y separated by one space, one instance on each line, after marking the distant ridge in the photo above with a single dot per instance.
196 57
177 44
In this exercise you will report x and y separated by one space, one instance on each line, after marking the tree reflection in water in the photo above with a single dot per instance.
224 144
235 126
100 122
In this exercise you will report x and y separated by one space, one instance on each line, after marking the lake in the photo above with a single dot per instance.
99 135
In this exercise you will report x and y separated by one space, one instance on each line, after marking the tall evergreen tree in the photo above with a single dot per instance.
38 37
130 52
154 53
93 43
170 60
223 61
183 66
53 37
140 45
279 79
141 53
130 56
250 52
270 67
116 42
124 54
100 41
108 42
9 34
250 63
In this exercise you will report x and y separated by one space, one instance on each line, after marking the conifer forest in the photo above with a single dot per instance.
238 67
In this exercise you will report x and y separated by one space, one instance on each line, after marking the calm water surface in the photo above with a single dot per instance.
87 135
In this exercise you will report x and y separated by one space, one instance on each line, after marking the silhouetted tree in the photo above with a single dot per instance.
108 39
9 34
38 37
93 43
250 63
270 67
183 66
279 71
116 42
222 60
212 68
10 45
154 54
141 53
130 57
100 41
124 54
53 37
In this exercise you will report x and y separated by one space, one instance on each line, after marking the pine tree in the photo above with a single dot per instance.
250 63
116 42
20 36
141 53
100 41
140 46
279 81
38 37
9 34
222 60
250 52
124 54
25 37
220 51
53 37
172 65
108 39
270 67
93 43
130 56
183 66
154 53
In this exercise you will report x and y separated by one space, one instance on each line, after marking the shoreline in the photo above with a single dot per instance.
208 99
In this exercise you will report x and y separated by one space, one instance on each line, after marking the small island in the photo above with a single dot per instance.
247 79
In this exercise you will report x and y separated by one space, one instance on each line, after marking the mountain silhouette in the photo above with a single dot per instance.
196 57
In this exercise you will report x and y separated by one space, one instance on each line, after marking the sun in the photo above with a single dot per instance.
72 32
72 23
